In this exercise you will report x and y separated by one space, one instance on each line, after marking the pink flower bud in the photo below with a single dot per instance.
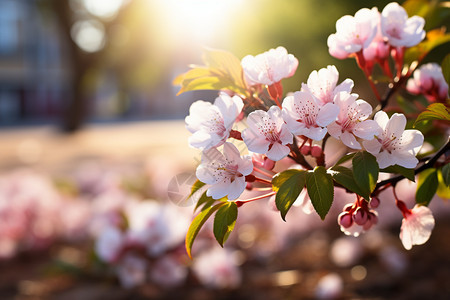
374 202
360 216
316 151
373 218
305 150
249 186
268 164
348 207
345 219
367 225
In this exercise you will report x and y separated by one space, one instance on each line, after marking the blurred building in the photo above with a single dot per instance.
32 72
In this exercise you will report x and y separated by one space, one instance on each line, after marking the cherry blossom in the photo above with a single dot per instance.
132 271
109 244
268 134
429 81
378 49
211 124
322 84
417 226
168 271
394 144
400 30
353 33
304 116
217 268
352 120
154 226
269 67
224 172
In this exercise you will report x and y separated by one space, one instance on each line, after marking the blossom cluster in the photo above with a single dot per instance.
294 129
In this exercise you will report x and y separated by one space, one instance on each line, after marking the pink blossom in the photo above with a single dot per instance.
416 227
224 172
429 81
217 268
168 271
131 270
394 144
268 134
352 120
378 49
155 227
269 67
210 124
322 84
353 33
109 244
304 116
400 30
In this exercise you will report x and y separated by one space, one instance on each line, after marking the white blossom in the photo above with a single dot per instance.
429 81
323 84
109 244
394 144
224 172
268 134
416 227
210 124
352 120
304 116
269 67
400 30
353 33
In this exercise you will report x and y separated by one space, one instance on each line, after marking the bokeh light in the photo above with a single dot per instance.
89 35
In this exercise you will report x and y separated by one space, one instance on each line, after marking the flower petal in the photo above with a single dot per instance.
367 129
349 140
327 114
236 188
278 151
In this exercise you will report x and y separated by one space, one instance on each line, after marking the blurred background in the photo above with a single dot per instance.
88 112
69 63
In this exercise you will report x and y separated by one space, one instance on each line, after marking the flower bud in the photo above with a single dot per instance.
249 186
316 151
345 219
305 150
268 164
348 207
373 217
374 202
360 216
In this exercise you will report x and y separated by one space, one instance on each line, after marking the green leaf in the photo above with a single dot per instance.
345 158
446 68
288 185
224 222
435 111
320 190
446 174
426 186
197 224
434 39
344 176
365 171
281 178
396 169
223 71
205 201
443 190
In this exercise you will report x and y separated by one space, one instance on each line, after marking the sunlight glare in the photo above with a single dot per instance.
198 19
103 8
